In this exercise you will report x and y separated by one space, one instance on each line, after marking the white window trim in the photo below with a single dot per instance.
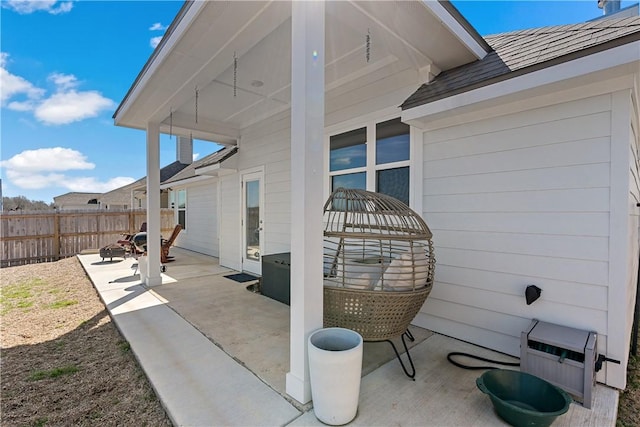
185 230
371 167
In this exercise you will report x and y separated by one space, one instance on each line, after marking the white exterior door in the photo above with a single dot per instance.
252 221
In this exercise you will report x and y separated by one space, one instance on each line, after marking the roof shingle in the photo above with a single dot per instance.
519 52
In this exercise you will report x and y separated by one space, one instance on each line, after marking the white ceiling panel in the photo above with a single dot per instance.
401 37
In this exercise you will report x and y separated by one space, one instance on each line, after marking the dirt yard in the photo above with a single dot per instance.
63 361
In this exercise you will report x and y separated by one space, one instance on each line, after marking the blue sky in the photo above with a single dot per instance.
66 65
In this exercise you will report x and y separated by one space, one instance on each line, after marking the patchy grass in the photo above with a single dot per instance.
40 422
62 304
63 361
53 373
125 347
19 295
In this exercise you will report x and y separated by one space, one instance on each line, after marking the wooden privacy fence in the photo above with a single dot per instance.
43 236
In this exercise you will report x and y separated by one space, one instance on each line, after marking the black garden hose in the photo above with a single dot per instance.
473 356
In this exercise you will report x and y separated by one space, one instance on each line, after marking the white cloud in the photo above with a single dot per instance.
35 181
63 81
195 156
155 41
66 105
24 7
44 167
47 160
12 85
22 105
157 27
92 185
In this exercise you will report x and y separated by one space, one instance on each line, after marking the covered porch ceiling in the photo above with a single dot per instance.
223 66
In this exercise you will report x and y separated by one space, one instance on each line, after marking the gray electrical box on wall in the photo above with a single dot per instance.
563 356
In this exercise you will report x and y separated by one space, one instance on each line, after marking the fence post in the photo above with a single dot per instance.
132 222
56 235
100 236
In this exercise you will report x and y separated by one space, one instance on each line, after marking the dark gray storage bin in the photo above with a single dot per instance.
276 277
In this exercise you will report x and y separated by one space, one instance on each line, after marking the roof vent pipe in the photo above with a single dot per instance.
609 6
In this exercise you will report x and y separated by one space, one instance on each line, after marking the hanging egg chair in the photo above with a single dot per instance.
378 266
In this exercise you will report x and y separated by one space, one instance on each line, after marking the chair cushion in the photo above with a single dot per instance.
406 272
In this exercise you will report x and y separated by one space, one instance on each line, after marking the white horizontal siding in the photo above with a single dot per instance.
590 175
550 200
517 200
201 234
572 224
230 233
547 114
571 293
557 246
544 267
579 152
263 146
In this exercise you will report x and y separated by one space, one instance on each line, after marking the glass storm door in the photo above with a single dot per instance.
252 230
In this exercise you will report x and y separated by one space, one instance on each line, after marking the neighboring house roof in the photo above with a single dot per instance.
75 197
520 52
212 159
171 170
122 195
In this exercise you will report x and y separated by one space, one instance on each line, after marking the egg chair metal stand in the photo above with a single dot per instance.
378 266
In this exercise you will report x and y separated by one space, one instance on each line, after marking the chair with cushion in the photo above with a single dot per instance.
378 266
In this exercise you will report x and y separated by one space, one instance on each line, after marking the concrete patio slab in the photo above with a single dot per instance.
445 395
198 383
216 355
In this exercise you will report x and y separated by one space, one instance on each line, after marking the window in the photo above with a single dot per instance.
178 201
394 183
348 150
385 170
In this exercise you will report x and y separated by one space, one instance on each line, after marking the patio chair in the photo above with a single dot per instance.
165 245
378 266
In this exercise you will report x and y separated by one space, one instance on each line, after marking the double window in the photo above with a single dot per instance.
374 158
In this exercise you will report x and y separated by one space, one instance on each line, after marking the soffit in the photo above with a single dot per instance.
237 55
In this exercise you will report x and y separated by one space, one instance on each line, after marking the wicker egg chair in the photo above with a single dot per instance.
378 266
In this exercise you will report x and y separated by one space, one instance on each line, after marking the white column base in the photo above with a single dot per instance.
299 389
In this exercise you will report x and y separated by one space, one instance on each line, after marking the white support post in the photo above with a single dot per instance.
416 166
307 172
153 277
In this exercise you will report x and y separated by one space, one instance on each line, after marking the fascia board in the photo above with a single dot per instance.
600 61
